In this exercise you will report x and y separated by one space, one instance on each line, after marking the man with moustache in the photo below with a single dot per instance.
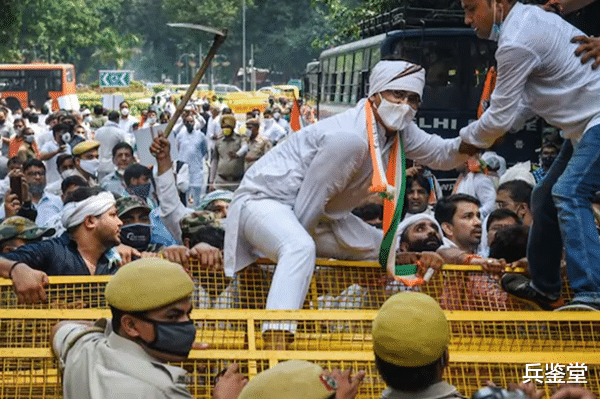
420 232
93 229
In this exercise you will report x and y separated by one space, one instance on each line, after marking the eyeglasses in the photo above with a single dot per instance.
401 95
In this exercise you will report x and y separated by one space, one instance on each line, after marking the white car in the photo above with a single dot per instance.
223 89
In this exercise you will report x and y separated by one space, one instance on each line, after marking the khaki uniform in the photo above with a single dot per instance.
229 171
256 149
101 364
440 390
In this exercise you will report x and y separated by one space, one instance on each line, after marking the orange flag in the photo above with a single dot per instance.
295 122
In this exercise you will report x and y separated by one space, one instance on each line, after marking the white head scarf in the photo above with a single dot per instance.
409 221
74 213
384 76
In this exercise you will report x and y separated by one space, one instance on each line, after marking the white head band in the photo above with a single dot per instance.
409 221
74 213
384 76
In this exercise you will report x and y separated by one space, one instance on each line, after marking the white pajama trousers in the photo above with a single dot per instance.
273 229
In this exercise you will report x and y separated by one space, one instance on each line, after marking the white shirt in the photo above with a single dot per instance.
192 147
127 123
47 207
108 136
324 173
45 135
52 174
482 187
285 125
170 108
213 129
538 70
272 130
171 208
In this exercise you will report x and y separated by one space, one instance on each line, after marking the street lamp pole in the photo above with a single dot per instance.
244 44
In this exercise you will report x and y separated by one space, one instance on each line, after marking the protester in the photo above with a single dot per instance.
138 182
500 219
52 149
540 74
66 167
271 129
90 218
474 180
416 197
420 232
515 195
126 120
12 164
108 136
193 150
122 158
548 154
23 145
295 203
46 204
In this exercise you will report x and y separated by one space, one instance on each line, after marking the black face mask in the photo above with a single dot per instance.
136 235
547 161
2 122
175 338
189 126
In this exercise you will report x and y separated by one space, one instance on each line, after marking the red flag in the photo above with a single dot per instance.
295 122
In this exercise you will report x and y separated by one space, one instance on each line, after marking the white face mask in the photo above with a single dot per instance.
66 137
268 123
87 119
395 116
125 111
90 165
67 172
276 116
151 121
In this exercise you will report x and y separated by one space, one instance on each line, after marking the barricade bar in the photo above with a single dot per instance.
334 285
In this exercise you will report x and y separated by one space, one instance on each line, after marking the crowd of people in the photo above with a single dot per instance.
83 164
77 201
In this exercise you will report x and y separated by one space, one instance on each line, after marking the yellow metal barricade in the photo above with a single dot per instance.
335 285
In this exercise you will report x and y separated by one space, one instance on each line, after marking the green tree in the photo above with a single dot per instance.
115 49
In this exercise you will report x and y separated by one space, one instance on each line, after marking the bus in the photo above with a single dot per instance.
21 84
456 64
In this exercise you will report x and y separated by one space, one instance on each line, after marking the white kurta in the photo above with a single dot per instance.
480 186
307 186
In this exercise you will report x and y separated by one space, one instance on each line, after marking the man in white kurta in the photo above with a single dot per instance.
295 202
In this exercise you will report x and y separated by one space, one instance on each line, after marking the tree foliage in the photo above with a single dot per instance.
133 34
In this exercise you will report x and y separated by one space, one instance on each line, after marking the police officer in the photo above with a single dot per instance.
127 356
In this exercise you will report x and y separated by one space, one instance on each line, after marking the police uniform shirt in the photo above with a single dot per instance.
256 149
101 364
229 169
